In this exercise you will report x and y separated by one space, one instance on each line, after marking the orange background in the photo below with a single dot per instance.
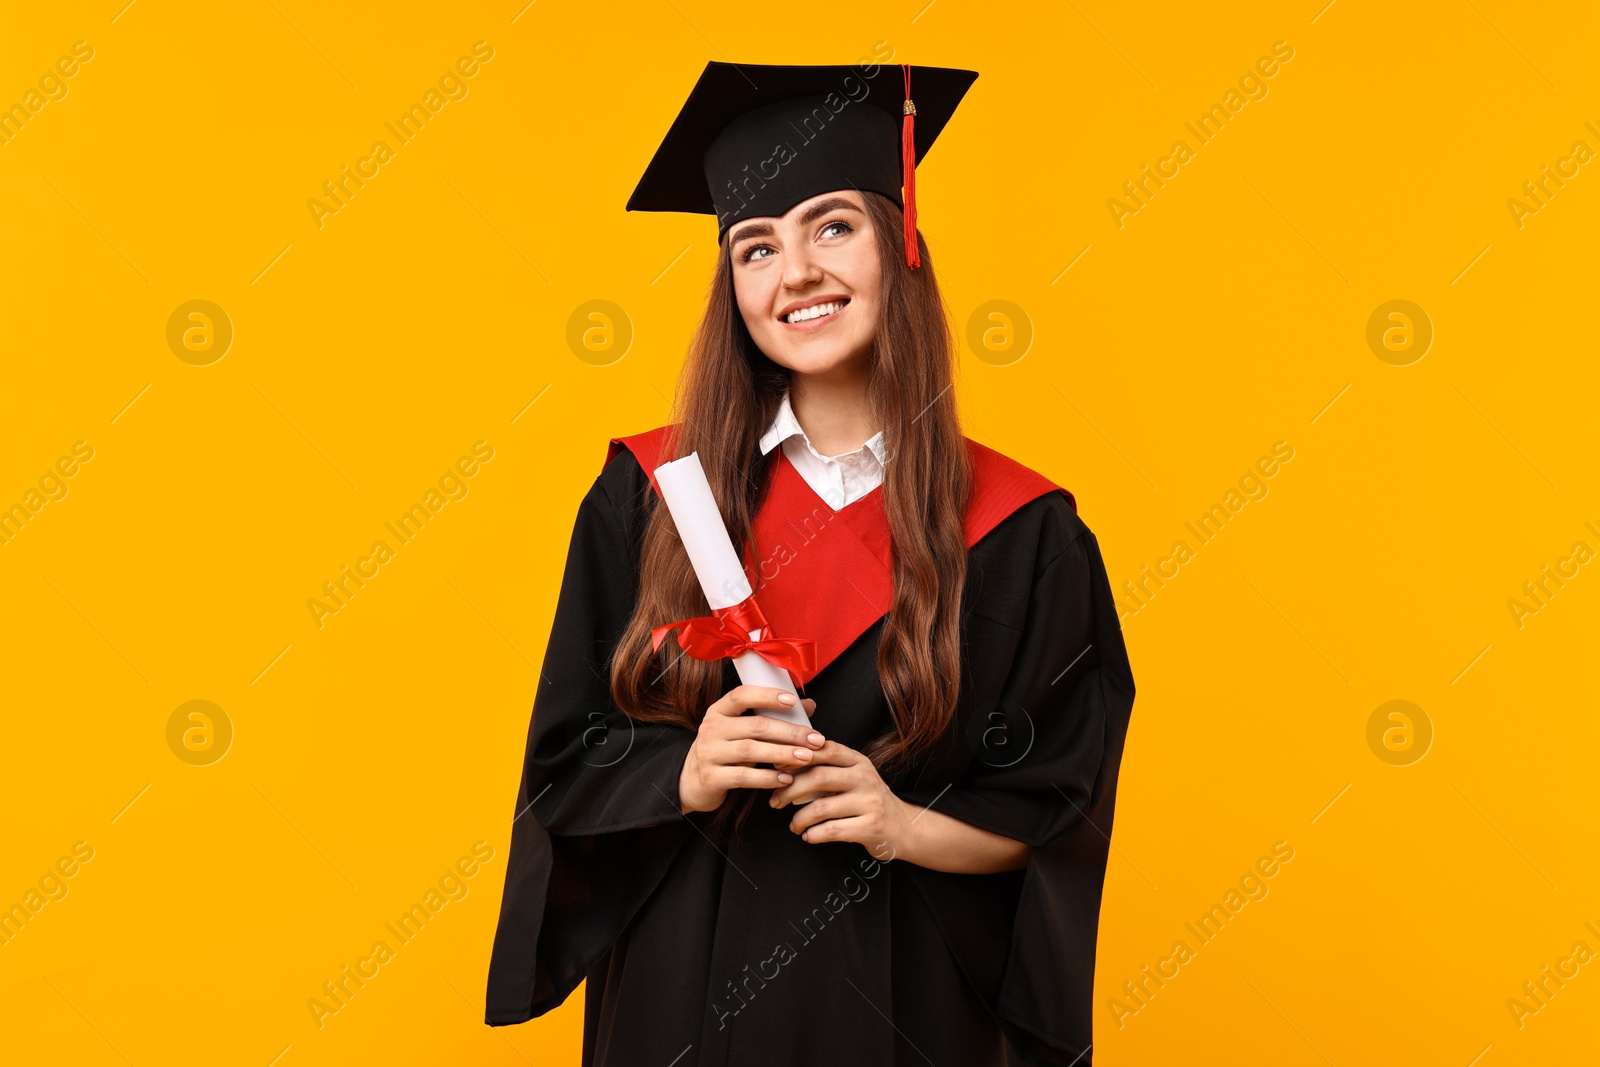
1165 356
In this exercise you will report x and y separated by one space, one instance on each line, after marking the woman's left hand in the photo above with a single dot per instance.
842 798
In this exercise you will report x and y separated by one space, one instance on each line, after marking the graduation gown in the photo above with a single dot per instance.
773 951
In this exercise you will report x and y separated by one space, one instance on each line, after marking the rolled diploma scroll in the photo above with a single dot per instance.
705 537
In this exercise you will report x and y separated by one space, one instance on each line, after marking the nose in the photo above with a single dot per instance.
800 267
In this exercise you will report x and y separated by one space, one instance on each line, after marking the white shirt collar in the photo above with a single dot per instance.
785 425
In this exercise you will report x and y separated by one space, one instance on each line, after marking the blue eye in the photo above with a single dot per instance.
750 253
842 227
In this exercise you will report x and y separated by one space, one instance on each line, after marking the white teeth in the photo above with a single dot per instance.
816 311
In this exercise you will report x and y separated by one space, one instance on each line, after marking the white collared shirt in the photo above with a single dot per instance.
839 480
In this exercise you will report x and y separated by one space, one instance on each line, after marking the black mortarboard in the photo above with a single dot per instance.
757 140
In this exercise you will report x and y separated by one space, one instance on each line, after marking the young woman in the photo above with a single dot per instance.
916 876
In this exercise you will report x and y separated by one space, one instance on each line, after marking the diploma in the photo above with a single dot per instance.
705 538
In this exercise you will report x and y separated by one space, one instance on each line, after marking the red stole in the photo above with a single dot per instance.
802 546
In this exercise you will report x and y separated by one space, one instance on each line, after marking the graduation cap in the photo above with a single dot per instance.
756 140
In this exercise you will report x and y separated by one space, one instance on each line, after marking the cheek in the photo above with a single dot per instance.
865 288
861 270
753 293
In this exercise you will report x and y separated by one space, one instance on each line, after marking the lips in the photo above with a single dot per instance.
813 311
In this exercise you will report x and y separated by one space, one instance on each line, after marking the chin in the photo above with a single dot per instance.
815 355
809 361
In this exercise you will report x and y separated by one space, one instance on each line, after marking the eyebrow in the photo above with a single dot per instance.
823 207
755 229
812 214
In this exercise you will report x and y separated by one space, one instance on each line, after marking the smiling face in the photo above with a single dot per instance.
808 283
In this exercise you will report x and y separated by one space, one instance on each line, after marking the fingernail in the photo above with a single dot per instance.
786 698
802 753
815 739
785 778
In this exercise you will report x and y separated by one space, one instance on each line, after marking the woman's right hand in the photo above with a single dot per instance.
730 743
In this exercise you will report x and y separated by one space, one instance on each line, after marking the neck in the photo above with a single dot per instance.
834 409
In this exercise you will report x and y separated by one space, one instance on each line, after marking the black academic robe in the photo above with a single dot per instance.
776 952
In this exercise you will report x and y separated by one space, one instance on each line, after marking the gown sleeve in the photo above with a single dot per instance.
1051 694
597 818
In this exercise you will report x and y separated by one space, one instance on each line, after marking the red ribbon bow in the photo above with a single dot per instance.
726 632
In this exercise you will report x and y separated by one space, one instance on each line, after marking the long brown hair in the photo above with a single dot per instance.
727 396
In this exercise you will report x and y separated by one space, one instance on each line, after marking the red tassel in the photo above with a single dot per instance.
908 164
